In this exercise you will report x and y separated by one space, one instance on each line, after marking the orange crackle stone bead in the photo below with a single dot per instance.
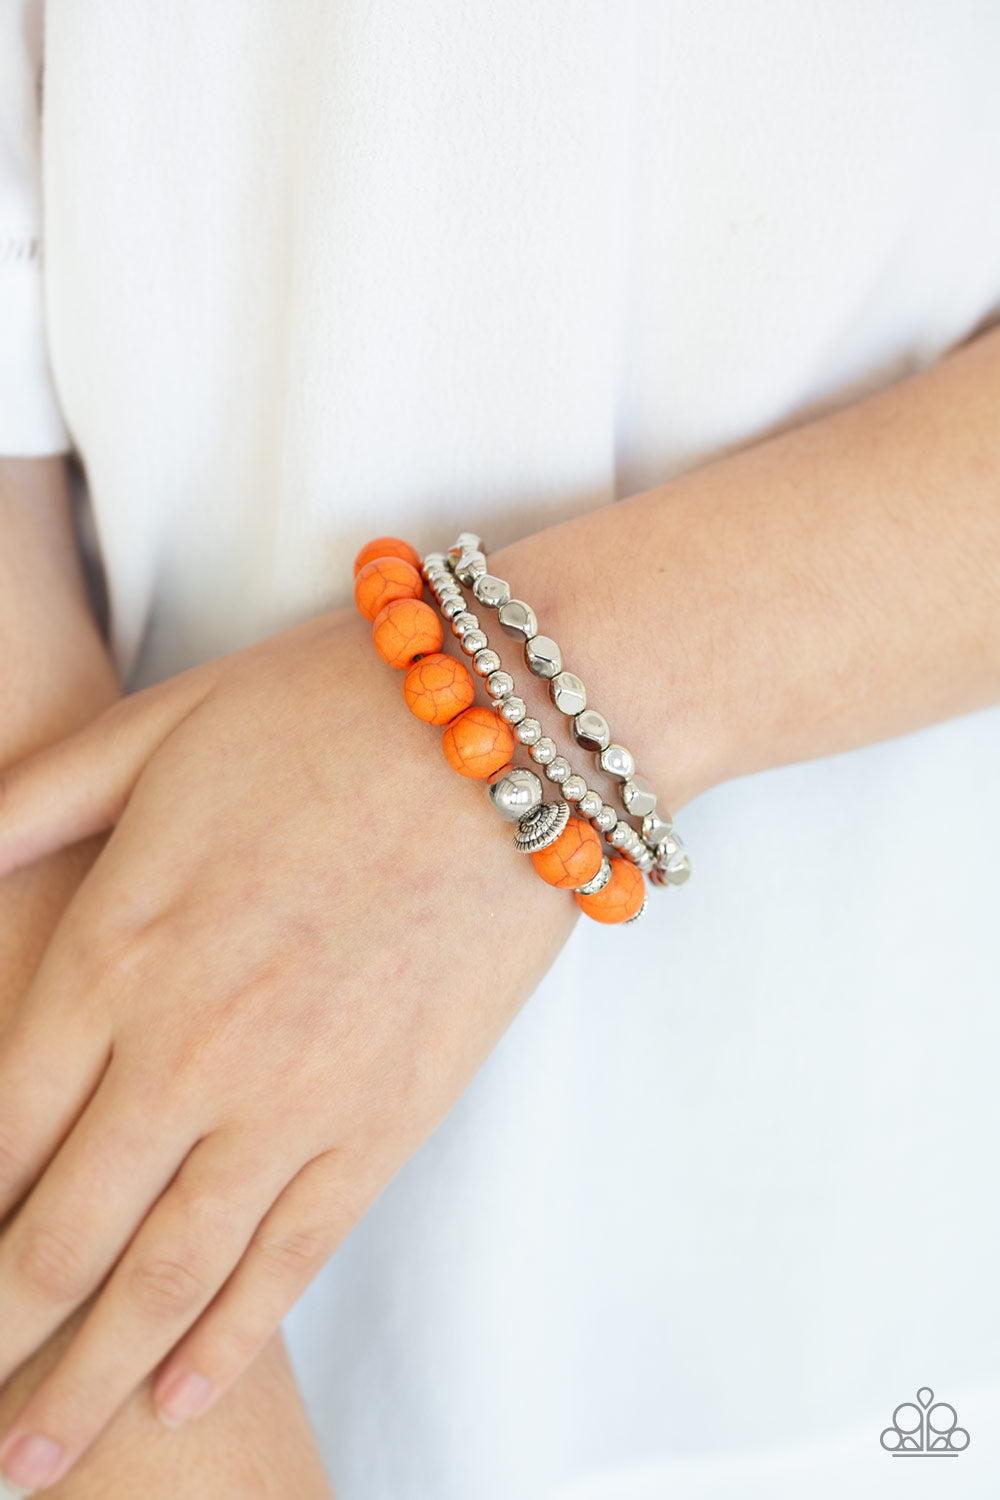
438 687
478 742
573 859
405 629
621 898
385 579
386 546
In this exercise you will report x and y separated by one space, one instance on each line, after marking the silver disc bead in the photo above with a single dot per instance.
568 693
516 793
499 685
638 796
452 606
543 656
541 827
574 788
598 881
491 591
518 619
512 709
590 730
543 751
473 641
590 804
469 567
617 761
558 769
486 661
528 732
464 621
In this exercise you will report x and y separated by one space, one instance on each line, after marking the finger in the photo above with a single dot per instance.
116 1162
180 1256
314 1214
80 785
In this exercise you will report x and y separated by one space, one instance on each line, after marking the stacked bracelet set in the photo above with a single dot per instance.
564 836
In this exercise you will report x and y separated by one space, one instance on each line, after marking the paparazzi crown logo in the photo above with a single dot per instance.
925 1429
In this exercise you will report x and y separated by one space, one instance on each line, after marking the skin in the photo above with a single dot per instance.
55 675
237 1029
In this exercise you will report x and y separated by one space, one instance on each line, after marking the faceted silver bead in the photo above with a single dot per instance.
491 591
486 661
598 881
590 804
573 788
541 827
605 819
516 793
638 796
616 760
433 560
590 730
655 827
640 913
499 685
568 693
528 732
464 621
668 847
558 769
470 566
678 870
543 656
672 862
452 606
518 619
512 710
543 751
466 541
473 641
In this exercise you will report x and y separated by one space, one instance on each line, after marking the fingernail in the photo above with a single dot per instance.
31 1460
11 1492
181 1397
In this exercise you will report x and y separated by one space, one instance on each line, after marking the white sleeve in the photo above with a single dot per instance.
30 420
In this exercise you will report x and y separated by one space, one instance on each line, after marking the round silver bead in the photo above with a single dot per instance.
499 685
512 710
466 541
541 827
605 819
469 567
589 805
528 732
464 621
491 591
440 578
516 793
518 619
543 751
638 796
568 693
558 769
646 860
655 827
452 595
574 788
452 606
433 560
543 656
617 761
473 641
486 661
590 730
618 836
598 881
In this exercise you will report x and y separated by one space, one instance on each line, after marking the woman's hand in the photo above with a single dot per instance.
299 944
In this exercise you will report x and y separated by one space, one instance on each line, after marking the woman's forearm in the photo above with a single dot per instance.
832 586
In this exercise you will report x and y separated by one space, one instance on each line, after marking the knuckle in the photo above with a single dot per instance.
164 1288
48 1261
293 1252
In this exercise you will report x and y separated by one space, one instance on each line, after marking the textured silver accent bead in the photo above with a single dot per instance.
452 606
470 566
499 685
512 710
518 619
638 796
590 730
473 641
466 541
516 793
486 661
617 761
573 788
655 828
464 621
605 819
590 804
599 881
568 693
640 913
543 751
491 591
541 827
528 732
543 656
558 769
